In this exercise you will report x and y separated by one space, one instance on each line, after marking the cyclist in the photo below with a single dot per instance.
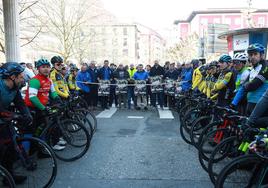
258 76
243 71
12 78
71 79
57 78
37 97
225 85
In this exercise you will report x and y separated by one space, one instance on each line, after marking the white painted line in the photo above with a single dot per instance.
107 113
165 114
135 117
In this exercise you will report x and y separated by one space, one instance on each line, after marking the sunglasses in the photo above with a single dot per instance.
58 64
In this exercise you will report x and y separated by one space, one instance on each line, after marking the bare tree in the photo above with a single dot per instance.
185 49
65 25
30 28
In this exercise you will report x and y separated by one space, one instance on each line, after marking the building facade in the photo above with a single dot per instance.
125 43
198 21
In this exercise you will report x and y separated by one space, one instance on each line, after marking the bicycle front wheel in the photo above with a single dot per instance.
76 136
6 179
34 159
244 171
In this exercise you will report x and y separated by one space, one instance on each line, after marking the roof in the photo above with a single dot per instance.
215 11
241 32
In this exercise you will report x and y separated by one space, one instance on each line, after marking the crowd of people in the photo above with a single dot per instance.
238 82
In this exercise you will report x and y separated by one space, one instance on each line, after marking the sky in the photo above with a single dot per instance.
160 14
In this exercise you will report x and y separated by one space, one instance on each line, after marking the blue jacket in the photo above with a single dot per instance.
105 73
140 75
187 75
83 77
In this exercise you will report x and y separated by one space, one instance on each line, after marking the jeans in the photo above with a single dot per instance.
160 98
130 95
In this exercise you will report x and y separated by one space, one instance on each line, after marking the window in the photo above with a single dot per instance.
125 31
261 21
125 52
228 21
125 42
237 21
204 21
217 20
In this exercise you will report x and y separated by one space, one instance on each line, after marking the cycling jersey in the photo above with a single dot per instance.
8 96
242 77
225 86
72 83
38 92
60 84
198 78
260 73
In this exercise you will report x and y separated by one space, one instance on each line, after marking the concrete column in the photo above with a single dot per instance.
11 26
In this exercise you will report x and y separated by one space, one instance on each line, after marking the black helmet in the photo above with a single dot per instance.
56 59
195 63
11 68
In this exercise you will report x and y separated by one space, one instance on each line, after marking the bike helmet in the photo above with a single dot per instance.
41 62
243 57
11 68
212 64
195 63
256 47
225 58
56 59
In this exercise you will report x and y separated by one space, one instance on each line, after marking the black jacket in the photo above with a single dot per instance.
121 74
157 71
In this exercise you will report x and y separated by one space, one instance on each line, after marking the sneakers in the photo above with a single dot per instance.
62 142
58 147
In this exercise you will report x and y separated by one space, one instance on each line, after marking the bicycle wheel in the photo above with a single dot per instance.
76 136
206 129
223 154
35 160
190 116
93 120
6 179
208 145
244 171
79 115
197 128
185 135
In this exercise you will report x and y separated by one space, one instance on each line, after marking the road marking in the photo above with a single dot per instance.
135 117
165 114
107 113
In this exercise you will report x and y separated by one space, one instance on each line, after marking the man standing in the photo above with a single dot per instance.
105 73
141 74
130 92
83 80
121 74
93 71
157 70
172 74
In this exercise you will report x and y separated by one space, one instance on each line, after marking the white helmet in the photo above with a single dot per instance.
241 57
